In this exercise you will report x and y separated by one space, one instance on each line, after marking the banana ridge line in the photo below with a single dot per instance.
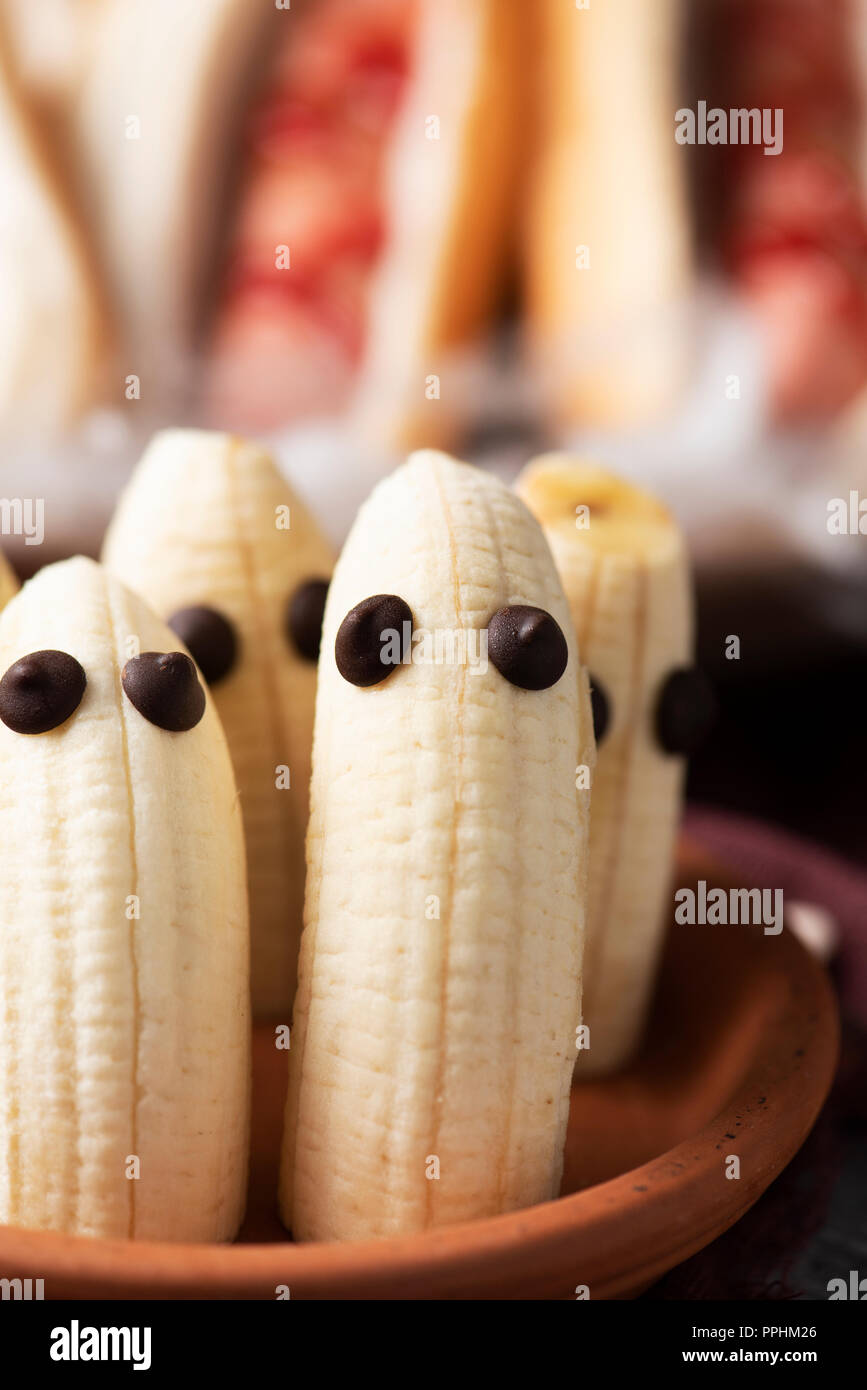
133 952
516 957
276 722
64 1011
445 948
625 763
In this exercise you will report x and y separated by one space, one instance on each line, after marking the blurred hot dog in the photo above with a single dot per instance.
52 326
608 257
793 230
319 200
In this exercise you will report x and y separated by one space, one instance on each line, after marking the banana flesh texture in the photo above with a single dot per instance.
8 582
198 524
439 988
121 1035
626 577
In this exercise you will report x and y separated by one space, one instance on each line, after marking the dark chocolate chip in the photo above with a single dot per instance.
601 707
210 637
41 691
364 648
304 617
527 646
165 688
686 710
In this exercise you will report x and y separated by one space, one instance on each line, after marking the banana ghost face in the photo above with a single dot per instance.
624 568
210 534
124 1014
439 986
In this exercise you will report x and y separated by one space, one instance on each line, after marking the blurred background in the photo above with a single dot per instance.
355 226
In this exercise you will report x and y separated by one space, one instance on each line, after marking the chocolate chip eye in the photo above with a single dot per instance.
373 638
41 691
601 707
210 637
527 646
686 710
165 688
304 617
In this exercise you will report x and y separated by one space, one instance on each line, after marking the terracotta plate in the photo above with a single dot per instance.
738 1058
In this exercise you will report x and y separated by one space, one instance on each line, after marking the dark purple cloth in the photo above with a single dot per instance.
809 1225
766 857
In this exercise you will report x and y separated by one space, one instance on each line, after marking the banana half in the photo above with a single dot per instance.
624 567
124 1027
8 581
208 524
439 989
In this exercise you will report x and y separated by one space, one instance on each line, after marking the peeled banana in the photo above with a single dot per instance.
624 568
439 990
124 1016
8 581
210 534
